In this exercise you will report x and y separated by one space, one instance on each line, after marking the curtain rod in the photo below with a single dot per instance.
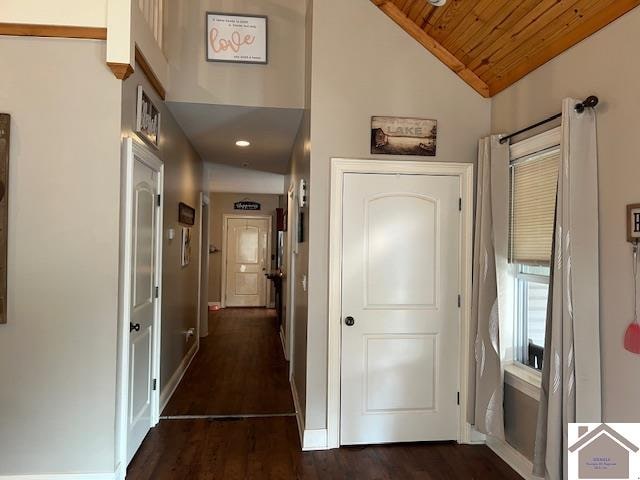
590 102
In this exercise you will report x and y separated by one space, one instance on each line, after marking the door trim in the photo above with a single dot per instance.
291 279
122 398
339 168
204 201
223 275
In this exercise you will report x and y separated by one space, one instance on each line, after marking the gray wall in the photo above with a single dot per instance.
278 84
357 73
606 64
58 351
182 183
222 204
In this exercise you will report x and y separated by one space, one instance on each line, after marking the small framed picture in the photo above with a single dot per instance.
237 38
633 223
186 214
185 253
147 119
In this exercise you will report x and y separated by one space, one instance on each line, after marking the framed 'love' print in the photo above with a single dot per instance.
236 38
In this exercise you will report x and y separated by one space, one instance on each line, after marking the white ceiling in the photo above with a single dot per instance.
214 129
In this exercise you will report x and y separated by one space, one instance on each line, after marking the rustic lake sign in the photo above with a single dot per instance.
247 205
5 128
403 136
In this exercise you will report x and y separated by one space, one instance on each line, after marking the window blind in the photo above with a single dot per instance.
534 184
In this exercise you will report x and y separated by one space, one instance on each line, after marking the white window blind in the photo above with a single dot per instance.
534 184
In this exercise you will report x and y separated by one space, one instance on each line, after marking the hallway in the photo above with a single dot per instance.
240 370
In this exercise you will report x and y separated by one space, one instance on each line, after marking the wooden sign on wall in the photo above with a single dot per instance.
5 127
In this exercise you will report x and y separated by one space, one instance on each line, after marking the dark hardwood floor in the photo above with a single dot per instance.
240 368
268 448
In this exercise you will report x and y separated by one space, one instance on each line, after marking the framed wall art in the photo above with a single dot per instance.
403 136
186 214
185 251
236 38
147 119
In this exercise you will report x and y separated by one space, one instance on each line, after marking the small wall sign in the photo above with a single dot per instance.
186 214
633 223
403 136
236 38
247 205
147 118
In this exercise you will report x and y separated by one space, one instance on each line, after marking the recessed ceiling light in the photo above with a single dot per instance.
243 143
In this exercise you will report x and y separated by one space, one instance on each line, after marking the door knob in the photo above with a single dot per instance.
133 327
349 321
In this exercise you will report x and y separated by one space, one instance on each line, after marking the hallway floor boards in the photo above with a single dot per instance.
240 369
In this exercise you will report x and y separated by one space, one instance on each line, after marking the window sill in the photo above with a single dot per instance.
522 378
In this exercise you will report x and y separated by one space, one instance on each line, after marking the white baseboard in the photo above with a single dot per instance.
296 405
215 304
171 386
284 346
309 439
512 457
314 440
63 476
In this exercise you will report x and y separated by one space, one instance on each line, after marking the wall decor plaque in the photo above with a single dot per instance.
403 136
147 118
247 205
236 38
186 214
5 130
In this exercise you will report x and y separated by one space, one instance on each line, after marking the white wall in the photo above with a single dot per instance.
225 178
357 73
58 351
193 79
82 13
606 64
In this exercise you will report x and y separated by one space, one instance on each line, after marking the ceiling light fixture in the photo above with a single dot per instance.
437 3
242 143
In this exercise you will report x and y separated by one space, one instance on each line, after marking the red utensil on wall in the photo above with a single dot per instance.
632 335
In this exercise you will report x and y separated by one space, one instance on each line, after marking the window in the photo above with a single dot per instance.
534 179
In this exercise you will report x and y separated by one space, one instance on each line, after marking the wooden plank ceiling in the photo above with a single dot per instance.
491 44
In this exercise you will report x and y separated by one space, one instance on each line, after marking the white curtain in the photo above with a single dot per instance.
571 390
490 287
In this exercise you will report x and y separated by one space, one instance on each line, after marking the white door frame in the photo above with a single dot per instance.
291 278
223 277
130 147
340 167
204 200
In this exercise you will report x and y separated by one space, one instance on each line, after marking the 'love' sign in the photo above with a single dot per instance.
236 38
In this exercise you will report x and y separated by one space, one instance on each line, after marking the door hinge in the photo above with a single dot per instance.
458 396
157 292
460 204
459 301
155 384
158 200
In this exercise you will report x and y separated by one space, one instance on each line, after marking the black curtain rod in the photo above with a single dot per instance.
590 102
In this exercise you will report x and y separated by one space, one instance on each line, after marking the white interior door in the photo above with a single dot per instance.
144 253
400 286
247 250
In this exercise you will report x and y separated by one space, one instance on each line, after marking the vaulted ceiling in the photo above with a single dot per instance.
491 44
